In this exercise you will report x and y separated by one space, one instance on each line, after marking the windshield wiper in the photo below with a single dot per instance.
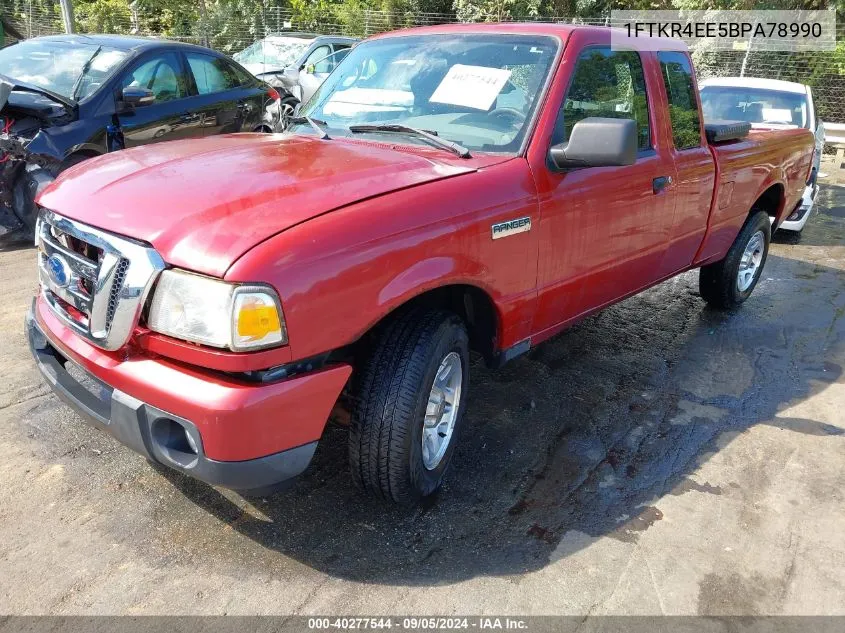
459 149
317 124
78 83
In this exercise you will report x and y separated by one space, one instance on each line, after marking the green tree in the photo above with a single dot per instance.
103 16
496 10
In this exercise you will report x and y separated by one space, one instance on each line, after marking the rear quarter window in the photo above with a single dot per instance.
213 74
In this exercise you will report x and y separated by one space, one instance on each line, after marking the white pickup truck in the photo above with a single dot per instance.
772 104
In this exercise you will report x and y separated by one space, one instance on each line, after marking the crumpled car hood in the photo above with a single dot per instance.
203 203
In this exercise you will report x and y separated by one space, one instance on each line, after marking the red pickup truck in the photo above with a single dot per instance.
448 189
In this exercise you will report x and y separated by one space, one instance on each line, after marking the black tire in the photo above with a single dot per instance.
23 204
717 282
27 185
390 396
288 107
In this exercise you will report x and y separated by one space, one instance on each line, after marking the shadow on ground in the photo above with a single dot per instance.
826 225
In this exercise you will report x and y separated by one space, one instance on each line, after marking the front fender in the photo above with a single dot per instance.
341 273
422 276
43 147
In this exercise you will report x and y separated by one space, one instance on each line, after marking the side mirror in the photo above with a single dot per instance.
309 69
137 96
598 142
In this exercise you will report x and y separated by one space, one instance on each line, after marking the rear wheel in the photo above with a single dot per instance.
728 283
287 108
410 396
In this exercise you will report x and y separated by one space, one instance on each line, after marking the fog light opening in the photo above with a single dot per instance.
192 444
172 437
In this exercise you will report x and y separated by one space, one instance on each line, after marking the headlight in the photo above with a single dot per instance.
216 313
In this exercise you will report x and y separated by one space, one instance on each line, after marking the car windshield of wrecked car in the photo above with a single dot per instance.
277 52
478 90
70 69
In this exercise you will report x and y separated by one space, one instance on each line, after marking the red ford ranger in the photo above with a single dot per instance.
447 189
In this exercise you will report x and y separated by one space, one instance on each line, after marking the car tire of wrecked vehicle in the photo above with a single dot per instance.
417 355
287 109
30 183
728 283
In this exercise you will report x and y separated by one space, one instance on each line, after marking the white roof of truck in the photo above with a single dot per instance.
755 82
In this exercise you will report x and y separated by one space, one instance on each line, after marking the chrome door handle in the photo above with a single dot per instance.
659 184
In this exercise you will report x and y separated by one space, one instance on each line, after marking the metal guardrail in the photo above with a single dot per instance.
834 135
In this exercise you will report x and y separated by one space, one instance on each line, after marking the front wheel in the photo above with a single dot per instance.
728 283
410 396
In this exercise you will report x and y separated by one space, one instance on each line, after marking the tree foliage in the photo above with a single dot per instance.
231 25
496 10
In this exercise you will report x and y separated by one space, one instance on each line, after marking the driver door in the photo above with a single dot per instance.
605 229
170 116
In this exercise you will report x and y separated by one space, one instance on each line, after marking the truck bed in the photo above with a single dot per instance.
744 170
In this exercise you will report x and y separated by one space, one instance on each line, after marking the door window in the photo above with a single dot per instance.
243 77
318 58
606 83
341 54
162 74
212 74
683 107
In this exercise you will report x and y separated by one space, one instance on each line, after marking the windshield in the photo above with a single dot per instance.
277 52
70 69
476 90
755 105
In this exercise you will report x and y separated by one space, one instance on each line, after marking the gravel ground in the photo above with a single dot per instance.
660 457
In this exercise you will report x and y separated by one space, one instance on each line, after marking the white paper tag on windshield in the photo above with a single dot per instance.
471 86
777 115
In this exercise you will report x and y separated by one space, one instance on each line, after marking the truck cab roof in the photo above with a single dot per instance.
561 31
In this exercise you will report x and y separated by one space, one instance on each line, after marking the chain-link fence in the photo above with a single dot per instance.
230 27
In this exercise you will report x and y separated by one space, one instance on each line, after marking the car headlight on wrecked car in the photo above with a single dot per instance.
217 313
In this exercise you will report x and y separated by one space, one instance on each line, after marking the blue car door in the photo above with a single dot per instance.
172 115
230 99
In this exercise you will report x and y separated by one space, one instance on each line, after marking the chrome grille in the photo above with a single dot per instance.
117 286
96 282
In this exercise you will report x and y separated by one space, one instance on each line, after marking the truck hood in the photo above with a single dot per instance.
203 203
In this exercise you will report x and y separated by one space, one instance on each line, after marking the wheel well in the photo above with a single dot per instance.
86 153
769 201
78 156
471 303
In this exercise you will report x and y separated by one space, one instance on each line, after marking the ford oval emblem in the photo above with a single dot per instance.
59 270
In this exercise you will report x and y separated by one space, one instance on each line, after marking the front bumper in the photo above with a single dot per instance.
178 441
